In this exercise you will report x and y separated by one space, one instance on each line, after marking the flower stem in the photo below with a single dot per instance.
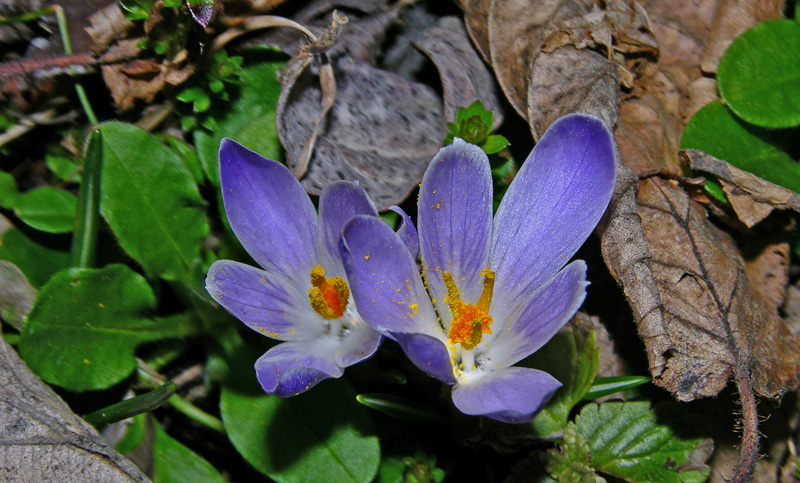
62 27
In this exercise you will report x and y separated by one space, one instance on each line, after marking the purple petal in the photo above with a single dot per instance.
358 345
407 232
338 202
291 368
265 302
384 280
268 211
512 395
554 203
429 354
536 320
455 220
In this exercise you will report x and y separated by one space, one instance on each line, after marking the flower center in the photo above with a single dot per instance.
470 322
328 296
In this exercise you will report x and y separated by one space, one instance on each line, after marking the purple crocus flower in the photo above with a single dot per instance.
495 291
300 296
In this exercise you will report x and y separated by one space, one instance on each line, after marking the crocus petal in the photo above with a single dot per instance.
265 302
338 202
291 368
512 395
407 232
536 320
384 279
455 220
268 211
553 204
429 354
360 344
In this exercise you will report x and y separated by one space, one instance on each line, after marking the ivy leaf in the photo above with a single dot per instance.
633 441
292 440
759 74
86 323
151 201
572 358
47 209
757 150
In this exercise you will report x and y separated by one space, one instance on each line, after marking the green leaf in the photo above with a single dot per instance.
249 118
175 463
400 407
494 144
630 440
603 386
8 190
320 435
570 462
131 407
572 358
759 74
37 261
86 323
63 167
188 155
420 468
151 201
715 130
133 435
47 209
87 222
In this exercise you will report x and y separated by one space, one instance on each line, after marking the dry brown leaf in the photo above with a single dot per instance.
731 19
108 25
751 197
713 324
476 18
464 76
42 440
382 130
516 31
571 80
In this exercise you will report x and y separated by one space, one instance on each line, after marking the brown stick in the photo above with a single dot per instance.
8 69
750 434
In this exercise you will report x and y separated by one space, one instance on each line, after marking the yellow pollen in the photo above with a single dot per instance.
470 322
328 296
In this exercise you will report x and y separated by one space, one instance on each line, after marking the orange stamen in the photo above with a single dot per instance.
328 296
470 322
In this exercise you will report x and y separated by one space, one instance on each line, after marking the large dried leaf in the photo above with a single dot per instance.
42 440
517 28
476 18
382 130
571 80
712 324
751 197
464 76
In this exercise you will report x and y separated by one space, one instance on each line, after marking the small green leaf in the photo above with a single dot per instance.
570 463
420 468
494 144
603 386
713 188
131 407
36 260
249 118
759 74
632 441
85 324
188 155
47 209
320 435
715 130
133 435
572 358
63 167
151 201
175 463
8 190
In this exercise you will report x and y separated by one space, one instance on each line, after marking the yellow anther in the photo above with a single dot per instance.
470 322
328 296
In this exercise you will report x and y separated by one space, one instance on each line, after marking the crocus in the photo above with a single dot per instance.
494 290
301 296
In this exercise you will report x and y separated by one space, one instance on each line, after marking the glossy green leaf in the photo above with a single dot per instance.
320 435
759 74
603 386
151 201
36 260
494 144
8 190
175 463
715 130
86 323
47 209
400 407
632 441
572 358
249 118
